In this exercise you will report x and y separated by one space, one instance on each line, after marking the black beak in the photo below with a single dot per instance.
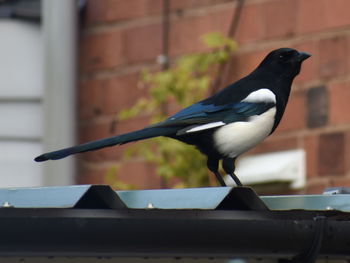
303 55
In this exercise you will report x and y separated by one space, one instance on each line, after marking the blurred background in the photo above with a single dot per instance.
69 68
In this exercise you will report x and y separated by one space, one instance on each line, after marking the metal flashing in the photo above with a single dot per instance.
223 198
211 198
339 202
77 196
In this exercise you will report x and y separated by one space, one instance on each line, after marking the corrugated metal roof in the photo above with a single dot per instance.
229 198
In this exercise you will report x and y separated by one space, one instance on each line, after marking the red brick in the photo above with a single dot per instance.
114 153
173 107
185 34
132 124
181 4
95 131
117 10
317 186
91 98
140 174
348 53
340 181
143 43
94 11
114 10
108 96
318 15
311 16
251 26
332 54
92 176
123 92
339 103
280 18
101 51
273 144
107 127
347 152
331 154
337 13
310 144
294 116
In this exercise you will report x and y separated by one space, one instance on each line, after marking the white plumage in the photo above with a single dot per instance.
206 126
235 138
261 95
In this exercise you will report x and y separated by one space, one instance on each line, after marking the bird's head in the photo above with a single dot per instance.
284 61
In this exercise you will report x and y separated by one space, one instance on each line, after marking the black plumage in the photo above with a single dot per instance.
226 124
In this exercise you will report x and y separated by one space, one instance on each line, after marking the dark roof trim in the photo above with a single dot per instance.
213 222
29 10
170 233
21 9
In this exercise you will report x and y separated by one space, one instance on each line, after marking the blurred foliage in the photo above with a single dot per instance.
185 83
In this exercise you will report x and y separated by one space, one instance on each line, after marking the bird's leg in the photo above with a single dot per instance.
229 167
213 166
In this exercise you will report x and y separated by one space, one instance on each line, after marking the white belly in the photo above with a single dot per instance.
238 137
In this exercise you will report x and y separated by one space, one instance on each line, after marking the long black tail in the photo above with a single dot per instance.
111 141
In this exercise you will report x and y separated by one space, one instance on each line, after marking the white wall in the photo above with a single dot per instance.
21 114
37 95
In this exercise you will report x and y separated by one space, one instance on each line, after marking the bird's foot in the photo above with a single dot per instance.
235 178
219 178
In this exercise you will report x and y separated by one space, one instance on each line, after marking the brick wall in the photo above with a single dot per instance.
119 38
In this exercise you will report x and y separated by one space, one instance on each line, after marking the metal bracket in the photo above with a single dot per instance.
100 197
242 198
336 190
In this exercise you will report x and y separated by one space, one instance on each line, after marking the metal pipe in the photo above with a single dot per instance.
59 37
170 233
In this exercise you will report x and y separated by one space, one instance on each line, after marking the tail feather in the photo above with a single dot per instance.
107 142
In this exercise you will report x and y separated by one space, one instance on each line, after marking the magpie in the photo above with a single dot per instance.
226 124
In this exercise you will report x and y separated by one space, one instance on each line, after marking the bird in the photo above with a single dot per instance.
226 124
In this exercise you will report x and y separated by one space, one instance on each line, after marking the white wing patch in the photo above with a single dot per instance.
235 138
206 126
261 95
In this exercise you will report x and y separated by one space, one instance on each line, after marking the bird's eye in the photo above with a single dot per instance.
286 55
